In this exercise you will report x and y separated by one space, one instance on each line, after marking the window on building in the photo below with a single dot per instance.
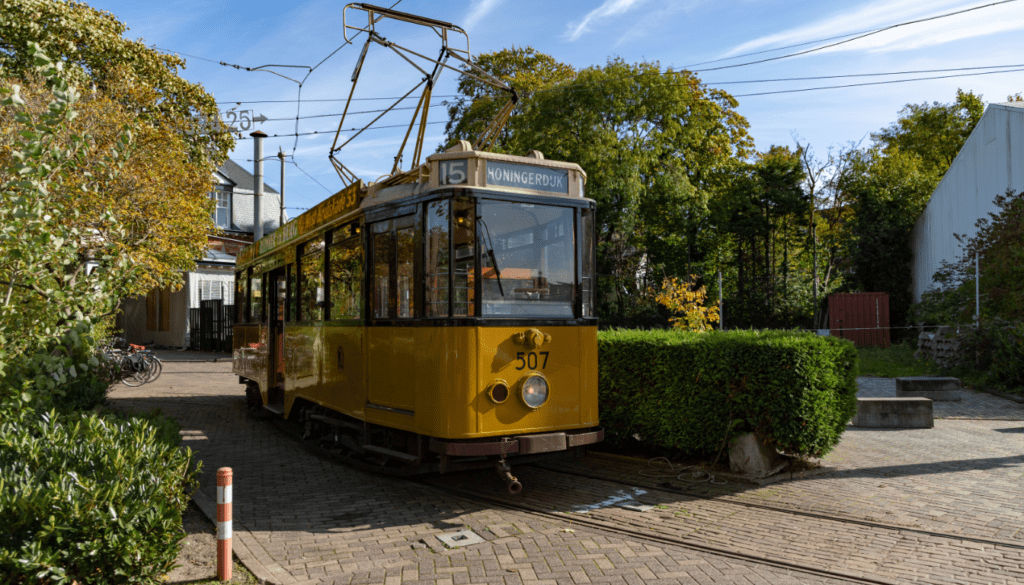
222 214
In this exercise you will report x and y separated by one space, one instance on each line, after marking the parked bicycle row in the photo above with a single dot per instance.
133 365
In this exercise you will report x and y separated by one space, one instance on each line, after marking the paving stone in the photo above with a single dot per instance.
300 517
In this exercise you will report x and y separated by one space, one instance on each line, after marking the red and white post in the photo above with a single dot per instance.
224 523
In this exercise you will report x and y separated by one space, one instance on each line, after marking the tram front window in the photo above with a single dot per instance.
528 260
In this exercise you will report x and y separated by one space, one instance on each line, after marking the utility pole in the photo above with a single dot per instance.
257 180
977 291
280 156
721 314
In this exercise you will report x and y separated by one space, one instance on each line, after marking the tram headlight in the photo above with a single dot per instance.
534 391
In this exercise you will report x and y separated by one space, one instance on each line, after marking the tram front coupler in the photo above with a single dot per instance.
505 472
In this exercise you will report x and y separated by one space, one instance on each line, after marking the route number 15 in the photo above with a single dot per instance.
452 172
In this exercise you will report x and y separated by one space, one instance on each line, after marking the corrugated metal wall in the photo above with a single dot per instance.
863 318
991 161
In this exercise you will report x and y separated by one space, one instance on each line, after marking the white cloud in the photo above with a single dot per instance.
886 13
481 8
609 8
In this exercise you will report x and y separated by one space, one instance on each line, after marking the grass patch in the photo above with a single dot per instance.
895 361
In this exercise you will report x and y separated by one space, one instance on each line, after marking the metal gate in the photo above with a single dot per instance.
210 326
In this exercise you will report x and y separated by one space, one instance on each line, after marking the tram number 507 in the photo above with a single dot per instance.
531 359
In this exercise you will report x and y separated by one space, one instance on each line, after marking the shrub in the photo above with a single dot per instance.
88 498
690 392
995 350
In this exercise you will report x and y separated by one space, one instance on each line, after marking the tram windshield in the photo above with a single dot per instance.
528 260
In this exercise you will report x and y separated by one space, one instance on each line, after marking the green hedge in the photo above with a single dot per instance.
89 498
689 392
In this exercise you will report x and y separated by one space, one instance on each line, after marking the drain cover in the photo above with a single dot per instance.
460 538
634 505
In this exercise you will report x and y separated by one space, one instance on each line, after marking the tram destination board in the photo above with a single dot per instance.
504 174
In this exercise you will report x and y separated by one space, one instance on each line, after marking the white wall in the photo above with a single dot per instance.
991 161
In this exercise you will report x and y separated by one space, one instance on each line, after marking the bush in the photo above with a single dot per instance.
690 392
88 498
995 352
66 374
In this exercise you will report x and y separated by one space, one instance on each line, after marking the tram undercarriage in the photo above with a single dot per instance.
399 452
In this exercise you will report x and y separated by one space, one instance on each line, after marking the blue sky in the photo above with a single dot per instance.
673 33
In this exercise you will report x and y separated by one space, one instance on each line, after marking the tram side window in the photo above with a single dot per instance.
345 271
256 298
465 258
290 309
240 282
589 265
436 265
311 281
381 274
405 245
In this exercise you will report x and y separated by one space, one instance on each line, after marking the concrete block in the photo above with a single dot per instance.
753 458
894 413
940 389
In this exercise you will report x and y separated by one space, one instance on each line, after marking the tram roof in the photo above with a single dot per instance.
458 167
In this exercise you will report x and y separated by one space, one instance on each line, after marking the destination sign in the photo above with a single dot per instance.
504 174
336 205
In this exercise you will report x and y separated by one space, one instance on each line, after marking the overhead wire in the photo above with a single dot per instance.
1002 69
867 34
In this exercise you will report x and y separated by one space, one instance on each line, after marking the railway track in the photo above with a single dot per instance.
726 527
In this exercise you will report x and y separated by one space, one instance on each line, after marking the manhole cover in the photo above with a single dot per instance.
634 505
460 538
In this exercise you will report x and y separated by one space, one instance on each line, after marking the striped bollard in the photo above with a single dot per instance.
224 523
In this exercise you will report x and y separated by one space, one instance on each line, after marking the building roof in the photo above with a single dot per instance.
242 178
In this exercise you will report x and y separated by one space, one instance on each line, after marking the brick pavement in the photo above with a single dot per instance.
302 519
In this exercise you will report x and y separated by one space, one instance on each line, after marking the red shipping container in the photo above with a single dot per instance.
863 318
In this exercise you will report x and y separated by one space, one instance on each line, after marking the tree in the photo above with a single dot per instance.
656 146
934 133
96 205
90 44
526 70
888 190
763 215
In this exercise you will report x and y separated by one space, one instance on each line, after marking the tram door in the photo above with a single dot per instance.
276 313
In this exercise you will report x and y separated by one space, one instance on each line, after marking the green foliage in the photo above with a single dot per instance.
934 134
88 498
993 354
655 145
764 214
66 375
90 44
888 193
997 243
894 361
690 392
527 71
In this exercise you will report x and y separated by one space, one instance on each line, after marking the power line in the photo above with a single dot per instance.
874 83
874 32
311 177
709 83
863 32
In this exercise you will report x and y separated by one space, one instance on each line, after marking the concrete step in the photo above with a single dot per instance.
894 413
933 387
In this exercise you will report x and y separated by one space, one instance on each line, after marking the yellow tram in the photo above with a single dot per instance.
434 325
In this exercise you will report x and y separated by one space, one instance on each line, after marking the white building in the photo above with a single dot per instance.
162 316
990 162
